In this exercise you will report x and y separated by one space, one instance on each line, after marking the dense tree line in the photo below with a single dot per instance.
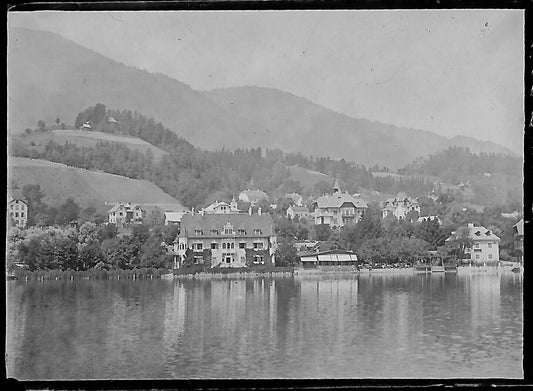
90 247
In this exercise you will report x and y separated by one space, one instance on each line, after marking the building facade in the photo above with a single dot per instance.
400 206
518 234
298 212
484 247
338 209
123 213
17 208
226 240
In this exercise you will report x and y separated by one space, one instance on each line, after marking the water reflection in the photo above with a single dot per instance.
338 326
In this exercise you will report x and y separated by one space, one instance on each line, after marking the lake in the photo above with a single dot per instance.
372 326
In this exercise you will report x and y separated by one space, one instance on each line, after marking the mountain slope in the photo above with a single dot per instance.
84 138
295 123
51 77
60 182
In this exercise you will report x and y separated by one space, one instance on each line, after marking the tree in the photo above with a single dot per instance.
321 232
58 121
89 256
87 234
286 254
41 126
68 211
432 233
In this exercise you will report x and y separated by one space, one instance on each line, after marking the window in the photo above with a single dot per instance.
11 206
242 232
198 232
16 207
490 256
476 245
232 245
242 245
224 245
16 214
21 214
214 246
11 214
258 246
257 232
228 229
214 232
489 244
477 256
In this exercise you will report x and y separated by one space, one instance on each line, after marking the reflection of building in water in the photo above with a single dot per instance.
396 318
174 320
484 299
319 295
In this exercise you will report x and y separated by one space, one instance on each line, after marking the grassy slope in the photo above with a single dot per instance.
90 139
60 182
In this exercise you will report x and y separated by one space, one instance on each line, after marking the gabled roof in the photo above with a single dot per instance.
124 205
255 194
216 204
174 216
477 233
519 228
191 223
336 200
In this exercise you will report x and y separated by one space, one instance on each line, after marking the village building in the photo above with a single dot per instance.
221 207
485 244
329 258
400 206
298 212
518 234
226 240
296 198
17 207
173 218
253 196
429 218
124 213
339 209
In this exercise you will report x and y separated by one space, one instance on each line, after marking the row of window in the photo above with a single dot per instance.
228 246
227 231
16 207
489 245
478 256
16 214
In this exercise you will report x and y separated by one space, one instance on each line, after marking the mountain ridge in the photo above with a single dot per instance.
77 77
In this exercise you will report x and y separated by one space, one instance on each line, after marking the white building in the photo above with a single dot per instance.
123 213
339 209
17 207
298 212
221 207
485 244
400 206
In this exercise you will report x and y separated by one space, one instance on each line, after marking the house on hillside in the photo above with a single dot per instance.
124 213
253 196
429 218
298 212
173 218
226 240
518 234
296 198
17 207
485 244
338 209
400 206
221 207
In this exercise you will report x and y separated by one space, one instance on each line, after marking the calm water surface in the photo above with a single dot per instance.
354 326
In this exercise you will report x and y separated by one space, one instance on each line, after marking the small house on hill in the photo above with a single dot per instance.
339 209
123 213
17 207
253 196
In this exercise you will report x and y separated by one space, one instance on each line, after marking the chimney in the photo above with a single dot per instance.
470 225
250 211
259 211
192 211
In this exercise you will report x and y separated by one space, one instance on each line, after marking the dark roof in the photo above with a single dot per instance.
207 222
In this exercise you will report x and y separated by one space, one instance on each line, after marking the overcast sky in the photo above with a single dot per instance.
450 72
